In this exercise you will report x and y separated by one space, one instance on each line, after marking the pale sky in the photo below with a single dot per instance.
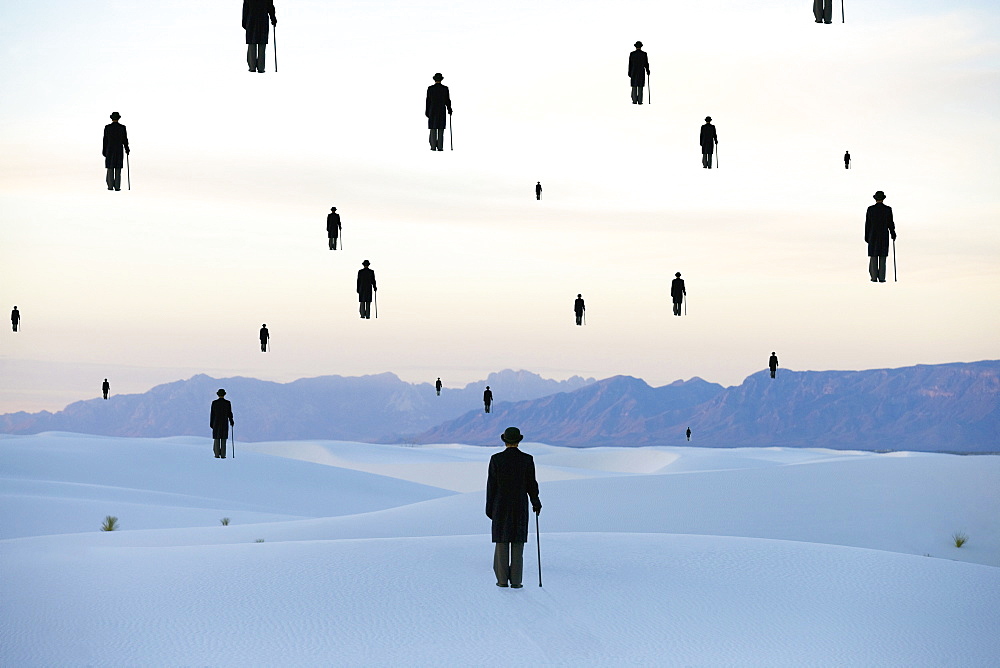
224 228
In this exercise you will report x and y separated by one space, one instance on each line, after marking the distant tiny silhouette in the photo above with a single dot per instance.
773 364
366 287
264 337
219 421
847 159
438 102
114 151
708 140
488 398
255 22
437 386
677 292
638 68
579 308
879 228
333 227
15 318
105 388
538 190
823 11
688 432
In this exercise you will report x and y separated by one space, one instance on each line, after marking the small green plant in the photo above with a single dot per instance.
110 523
960 538
224 521
259 540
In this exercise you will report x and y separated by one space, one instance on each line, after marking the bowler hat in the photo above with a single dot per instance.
511 435
879 195
708 118
366 263
438 76
678 274
333 208
638 44
221 393
115 115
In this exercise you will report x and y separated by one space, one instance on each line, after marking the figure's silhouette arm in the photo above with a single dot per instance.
274 17
104 145
125 139
427 104
868 224
892 225
246 12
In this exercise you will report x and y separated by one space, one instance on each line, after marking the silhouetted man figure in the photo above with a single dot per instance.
823 11
221 418
879 227
366 286
437 386
114 151
578 308
638 68
105 388
538 190
772 363
677 292
333 227
688 433
15 318
438 101
509 486
847 159
255 22
708 141
488 398
264 337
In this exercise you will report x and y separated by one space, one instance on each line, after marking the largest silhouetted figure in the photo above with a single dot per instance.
708 139
366 286
255 21
509 486
878 230
221 418
437 109
114 151
638 68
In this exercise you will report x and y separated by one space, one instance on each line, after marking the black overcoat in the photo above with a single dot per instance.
222 416
578 306
264 334
878 228
510 483
255 20
638 66
437 107
333 225
677 290
487 396
115 145
708 139
366 282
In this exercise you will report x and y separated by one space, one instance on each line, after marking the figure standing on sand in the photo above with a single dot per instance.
510 484
488 398
219 421
438 101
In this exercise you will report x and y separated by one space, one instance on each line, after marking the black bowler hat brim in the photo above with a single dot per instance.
511 435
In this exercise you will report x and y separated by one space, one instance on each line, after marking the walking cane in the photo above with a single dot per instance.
451 136
233 440
649 88
841 11
128 173
894 279
685 303
584 316
538 543
275 48
716 155
375 295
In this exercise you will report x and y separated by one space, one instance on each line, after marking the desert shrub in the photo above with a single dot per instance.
224 521
110 523
959 538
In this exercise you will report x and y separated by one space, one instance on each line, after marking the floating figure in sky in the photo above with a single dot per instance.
333 227
255 22
772 364
221 418
488 398
15 318
510 484
114 151
638 68
438 102
708 140
879 227
366 288
265 336
688 433
823 11
105 388
538 190
437 386
677 292
579 308
847 159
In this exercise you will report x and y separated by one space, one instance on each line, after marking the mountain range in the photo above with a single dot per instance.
945 407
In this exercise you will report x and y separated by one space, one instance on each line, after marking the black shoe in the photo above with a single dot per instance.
881 280
217 456
501 585
516 586
828 22
222 457
118 189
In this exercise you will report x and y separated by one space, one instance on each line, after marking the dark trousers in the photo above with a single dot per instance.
105 394
439 393
706 159
219 446
876 267
773 370
677 308
487 405
823 10
255 56
263 346
538 194
114 178
847 164
637 94
366 309
437 139
508 563
333 243
14 324
579 318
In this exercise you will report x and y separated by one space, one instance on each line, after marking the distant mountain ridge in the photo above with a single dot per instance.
375 408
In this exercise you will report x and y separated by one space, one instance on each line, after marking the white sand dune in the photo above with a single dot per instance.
662 556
